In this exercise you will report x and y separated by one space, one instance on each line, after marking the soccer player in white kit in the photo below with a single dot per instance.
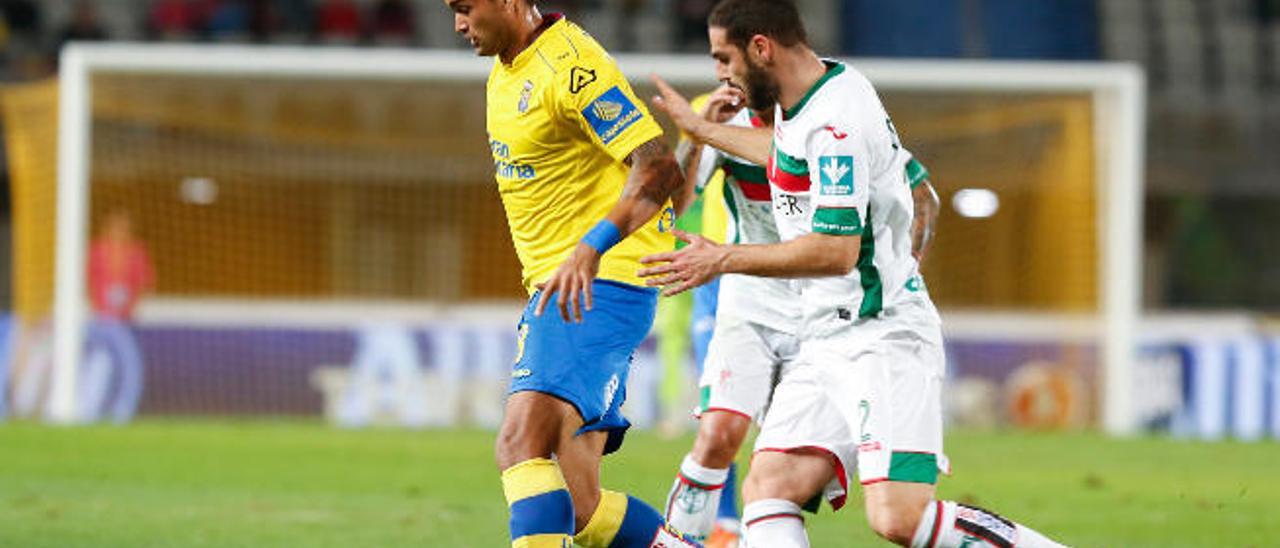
866 388
756 339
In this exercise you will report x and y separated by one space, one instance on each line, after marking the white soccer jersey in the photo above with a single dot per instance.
771 302
839 139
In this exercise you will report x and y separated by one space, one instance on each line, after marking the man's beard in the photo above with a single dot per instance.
762 90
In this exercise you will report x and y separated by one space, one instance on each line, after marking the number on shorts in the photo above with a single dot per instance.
865 407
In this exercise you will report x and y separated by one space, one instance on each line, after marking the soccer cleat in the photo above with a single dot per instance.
667 537
722 538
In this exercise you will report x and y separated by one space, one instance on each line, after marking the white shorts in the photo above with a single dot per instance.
870 398
744 362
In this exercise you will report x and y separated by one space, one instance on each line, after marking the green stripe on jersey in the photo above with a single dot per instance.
914 467
872 292
842 221
916 173
833 69
733 214
790 164
746 172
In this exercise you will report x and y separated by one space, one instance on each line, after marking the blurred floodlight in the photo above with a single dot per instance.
199 190
978 203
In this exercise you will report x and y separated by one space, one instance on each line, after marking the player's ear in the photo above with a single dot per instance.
760 48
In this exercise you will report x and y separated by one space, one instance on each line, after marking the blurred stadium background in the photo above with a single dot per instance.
330 249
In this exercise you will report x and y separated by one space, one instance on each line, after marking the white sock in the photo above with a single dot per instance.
947 524
729 524
773 523
694 499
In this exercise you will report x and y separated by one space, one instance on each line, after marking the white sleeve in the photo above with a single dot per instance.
708 162
841 158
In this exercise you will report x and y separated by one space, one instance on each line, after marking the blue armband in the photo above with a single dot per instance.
603 237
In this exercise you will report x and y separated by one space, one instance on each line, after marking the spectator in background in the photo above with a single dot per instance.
691 24
339 22
83 27
294 20
227 20
120 270
23 18
572 9
22 46
120 275
394 23
264 20
172 20
627 15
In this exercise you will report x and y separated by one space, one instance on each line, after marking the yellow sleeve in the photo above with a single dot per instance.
594 94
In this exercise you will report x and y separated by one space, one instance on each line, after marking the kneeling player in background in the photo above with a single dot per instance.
754 340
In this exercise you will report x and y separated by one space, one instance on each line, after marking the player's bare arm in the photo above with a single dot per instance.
688 154
925 220
810 256
751 144
721 106
654 177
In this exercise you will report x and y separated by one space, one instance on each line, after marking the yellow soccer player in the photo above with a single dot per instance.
586 180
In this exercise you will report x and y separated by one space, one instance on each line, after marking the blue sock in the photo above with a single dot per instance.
541 509
729 496
638 524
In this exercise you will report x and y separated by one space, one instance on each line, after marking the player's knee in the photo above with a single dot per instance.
718 441
517 442
761 485
895 523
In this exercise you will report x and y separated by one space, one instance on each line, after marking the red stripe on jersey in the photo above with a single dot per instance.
756 192
786 181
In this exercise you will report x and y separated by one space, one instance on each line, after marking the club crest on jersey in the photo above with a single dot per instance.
837 175
611 114
525 94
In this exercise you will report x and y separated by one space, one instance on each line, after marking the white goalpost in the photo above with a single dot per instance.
1116 92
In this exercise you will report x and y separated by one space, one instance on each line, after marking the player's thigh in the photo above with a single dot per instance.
532 427
889 393
584 364
795 475
803 419
739 372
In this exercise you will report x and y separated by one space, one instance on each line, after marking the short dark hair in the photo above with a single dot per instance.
742 19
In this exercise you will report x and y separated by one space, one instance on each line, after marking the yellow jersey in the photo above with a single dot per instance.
561 120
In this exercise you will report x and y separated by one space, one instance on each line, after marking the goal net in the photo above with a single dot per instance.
323 234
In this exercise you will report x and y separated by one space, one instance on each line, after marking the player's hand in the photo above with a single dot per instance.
669 101
689 267
572 279
723 104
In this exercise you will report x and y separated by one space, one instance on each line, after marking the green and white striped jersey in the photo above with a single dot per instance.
771 302
837 167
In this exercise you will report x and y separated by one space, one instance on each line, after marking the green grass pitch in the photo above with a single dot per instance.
302 484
